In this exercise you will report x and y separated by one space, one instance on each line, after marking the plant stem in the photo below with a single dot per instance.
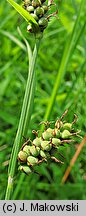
24 119
67 54
73 160
18 186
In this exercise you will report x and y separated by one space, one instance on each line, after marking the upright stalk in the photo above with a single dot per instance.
24 119
67 54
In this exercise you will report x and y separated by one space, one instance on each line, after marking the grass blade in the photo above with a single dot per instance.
68 51
24 120
28 46
73 160
14 39
23 12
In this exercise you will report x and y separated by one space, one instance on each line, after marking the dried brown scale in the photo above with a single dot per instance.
43 147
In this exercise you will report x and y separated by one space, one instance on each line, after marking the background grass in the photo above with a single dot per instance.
71 94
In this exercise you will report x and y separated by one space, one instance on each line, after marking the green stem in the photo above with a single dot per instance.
24 119
68 51
18 186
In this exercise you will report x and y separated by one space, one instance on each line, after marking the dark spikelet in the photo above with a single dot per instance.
40 10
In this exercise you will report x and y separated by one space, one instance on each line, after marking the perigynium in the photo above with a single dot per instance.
46 144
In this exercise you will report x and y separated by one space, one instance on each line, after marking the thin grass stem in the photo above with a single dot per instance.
24 120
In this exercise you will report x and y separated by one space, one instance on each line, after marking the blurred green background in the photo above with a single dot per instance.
71 94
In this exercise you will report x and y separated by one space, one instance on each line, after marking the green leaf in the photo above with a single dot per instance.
23 12
25 115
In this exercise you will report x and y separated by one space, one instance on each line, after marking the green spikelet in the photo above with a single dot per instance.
43 147
31 161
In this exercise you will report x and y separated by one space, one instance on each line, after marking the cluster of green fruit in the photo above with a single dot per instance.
38 9
42 147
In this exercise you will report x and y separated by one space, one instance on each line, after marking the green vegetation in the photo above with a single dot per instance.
60 85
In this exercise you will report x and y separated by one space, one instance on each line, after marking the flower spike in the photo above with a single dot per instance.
42 148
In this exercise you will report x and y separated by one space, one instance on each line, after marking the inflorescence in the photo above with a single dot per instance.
42 148
39 10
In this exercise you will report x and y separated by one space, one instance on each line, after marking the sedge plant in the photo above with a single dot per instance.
34 152
68 51
37 17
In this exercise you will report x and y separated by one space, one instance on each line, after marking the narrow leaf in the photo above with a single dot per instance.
23 12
